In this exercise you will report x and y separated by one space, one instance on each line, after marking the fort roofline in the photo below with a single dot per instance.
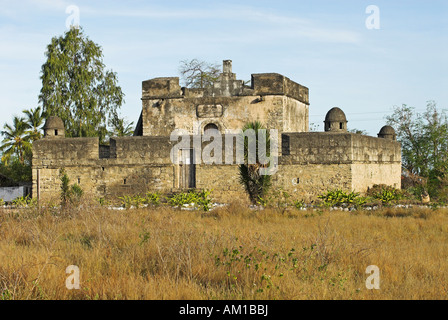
262 84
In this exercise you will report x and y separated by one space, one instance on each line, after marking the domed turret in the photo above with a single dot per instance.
387 132
335 120
54 128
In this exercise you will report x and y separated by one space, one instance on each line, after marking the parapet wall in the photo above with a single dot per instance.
319 161
262 84
277 84
311 163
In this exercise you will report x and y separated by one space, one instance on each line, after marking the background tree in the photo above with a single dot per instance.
198 74
424 143
358 131
255 184
121 127
35 119
16 141
77 88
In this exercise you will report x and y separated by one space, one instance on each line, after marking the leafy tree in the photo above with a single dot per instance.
424 143
424 138
198 74
255 184
77 88
15 142
16 171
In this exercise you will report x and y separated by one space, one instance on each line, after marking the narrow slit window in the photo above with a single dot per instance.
56 132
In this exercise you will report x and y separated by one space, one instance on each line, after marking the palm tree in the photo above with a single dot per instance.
255 184
15 142
34 119
121 127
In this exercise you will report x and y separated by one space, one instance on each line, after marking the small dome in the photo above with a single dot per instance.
387 132
335 120
54 128
54 122
335 115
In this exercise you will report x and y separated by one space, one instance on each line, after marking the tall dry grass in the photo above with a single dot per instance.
229 253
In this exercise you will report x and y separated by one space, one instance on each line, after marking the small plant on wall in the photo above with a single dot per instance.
69 193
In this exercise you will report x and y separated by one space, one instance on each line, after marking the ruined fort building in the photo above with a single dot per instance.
309 163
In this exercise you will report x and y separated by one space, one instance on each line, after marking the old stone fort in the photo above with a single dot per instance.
309 163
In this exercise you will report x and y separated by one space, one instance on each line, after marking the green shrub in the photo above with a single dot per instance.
205 200
338 197
299 204
72 194
24 201
199 198
152 198
76 193
386 194
126 201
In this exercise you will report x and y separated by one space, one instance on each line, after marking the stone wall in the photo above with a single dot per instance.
338 160
135 165
311 164
307 181
375 161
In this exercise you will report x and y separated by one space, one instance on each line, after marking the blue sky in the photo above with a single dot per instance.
322 44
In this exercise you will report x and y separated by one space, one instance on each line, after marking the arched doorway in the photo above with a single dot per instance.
208 129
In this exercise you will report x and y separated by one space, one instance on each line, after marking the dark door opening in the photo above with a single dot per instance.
187 176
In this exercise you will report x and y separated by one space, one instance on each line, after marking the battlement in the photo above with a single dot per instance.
277 84
166 87
227 85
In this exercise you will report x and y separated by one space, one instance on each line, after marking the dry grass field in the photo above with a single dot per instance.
229 253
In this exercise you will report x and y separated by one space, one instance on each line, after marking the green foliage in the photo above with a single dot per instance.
126 201
121 127
16 171
338 197
199 198
205 199
77 88
152 198
69 193
299 204
136 201
65 180
264 201
386 194
24 201
358 202
16 142
2 202
76 193
180 199
16 146
424 146
255 184
102 201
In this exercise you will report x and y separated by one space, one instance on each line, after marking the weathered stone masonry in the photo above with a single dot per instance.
309 162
